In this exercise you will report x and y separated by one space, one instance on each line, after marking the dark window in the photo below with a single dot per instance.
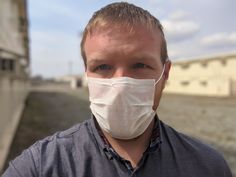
185 83
204 64
185 66
203 83
3 64
7 65
224 62
22 23
11 65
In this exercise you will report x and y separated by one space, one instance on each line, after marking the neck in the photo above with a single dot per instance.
132 149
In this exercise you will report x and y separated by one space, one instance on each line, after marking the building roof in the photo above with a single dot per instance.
206 59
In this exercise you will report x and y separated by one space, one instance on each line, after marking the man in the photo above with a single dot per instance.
126 61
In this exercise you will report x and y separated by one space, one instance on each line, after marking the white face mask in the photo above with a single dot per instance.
122 106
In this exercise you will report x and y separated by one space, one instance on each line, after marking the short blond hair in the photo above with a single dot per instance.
127 15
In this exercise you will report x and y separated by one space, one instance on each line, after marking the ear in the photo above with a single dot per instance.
167 69
166 73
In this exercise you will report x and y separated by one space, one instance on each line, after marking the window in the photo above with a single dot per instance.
22 23
7 64
223 62
203 83
204 64
3 64
11 65
185 83
185 66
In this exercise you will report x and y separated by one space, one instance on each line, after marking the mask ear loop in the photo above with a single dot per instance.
86 76
163 70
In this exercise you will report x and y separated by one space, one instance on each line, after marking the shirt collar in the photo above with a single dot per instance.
155 137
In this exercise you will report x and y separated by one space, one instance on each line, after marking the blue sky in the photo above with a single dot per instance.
193 28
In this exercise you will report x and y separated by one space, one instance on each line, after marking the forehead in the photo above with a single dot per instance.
125 29
122 36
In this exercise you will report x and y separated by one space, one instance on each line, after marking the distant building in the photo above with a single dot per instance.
84 81
211 76
14 68
74 81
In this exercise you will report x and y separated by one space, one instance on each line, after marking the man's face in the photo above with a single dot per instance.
118 53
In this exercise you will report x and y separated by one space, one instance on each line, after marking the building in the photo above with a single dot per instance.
209 76
75 81
14 68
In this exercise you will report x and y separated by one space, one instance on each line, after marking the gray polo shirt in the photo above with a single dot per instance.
81 152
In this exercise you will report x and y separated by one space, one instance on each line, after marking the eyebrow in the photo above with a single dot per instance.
148 58
96 60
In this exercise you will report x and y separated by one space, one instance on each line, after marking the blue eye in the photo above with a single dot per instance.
140 65
103 67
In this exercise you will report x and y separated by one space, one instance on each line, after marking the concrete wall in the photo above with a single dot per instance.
11 27
13 93
210 76
14 81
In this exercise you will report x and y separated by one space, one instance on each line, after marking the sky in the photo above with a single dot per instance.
192 29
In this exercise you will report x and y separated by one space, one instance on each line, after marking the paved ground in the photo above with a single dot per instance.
47 112
210 119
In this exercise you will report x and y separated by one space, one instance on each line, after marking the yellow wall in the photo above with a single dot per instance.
209 76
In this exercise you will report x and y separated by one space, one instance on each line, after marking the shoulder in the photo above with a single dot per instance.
50 151
194 151
63 142
179 139
62 138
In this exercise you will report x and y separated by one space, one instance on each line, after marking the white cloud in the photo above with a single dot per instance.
186 49
220 40
179 30
178 15
154 2
174 53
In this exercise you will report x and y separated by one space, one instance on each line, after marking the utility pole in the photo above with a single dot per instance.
70 67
